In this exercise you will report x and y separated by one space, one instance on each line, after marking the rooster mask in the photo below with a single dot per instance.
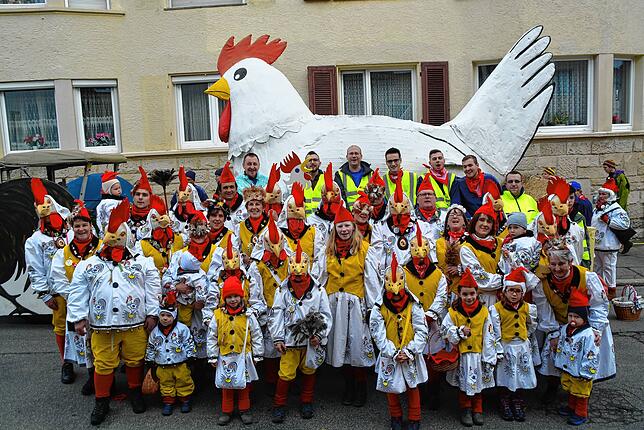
546 222
158 214
558 191
394 277
231 257
298 263
295 203
419 247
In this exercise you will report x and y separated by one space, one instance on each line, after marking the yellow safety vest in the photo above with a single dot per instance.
350 189
443 200
313 196
409 182
524 203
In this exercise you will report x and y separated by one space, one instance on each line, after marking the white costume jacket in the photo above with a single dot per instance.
192 275
103 211
523 251
39 253
114 295
577 355
605 239
175 348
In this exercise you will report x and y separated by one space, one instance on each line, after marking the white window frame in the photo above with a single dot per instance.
215 3
4 128
108 6
78 108
213 108
628 126
12 6
477 83
366 72
574 129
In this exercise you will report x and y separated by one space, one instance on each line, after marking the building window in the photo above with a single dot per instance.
13 3
379 92
29 118
570 104
177 4
88 4
622 91
97 115
197 112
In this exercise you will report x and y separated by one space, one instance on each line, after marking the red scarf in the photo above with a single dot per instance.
439 176
115 253
342 247
475 185
469 309
185 210
295 226
197 249
234 311
401 221
138 213
233 201
376 210
212 235
53 222
455 235
428 214
163 236
274 260
300 287
394 178
421 265
230 274
562 222
487 243
397 301
166 329
562 284
255 223
363 228
82 246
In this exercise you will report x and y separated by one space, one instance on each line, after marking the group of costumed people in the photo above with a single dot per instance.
251 284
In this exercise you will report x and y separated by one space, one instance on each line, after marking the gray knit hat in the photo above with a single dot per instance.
518 218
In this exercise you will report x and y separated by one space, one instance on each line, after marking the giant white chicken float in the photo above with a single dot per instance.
264 114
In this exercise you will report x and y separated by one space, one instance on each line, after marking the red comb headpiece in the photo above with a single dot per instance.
39 191
426 184
229 248
81 211
298 253
398 192
183 179
158 204
108 176
376 179
298 194
290 162
545 207
328 177
226 174
144 183
273 232
261 48
394 267
119 215
273 177
559 187
419 234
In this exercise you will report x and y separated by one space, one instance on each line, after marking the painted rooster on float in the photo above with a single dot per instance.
264 114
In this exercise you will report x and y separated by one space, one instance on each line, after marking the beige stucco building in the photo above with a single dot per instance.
138 66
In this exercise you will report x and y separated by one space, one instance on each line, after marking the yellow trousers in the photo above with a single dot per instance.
59 317
184 314
175 381
109 347
291 361
578 387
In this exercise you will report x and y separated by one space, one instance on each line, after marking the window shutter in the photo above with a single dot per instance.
435 88
323 90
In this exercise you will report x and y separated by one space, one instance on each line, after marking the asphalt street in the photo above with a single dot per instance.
33 397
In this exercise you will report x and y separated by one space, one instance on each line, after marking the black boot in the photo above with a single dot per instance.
361 395
136 400
101 409
349 392
88 387
550 395
433 396
67 375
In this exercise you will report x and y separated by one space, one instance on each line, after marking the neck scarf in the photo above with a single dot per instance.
427 213
439 175
470 308
562 284
234 311
475 185
295 226
488 242
138 213
421 265
185 210
82 246
198 249
231 203
300 287
377 210
255 223
163 236
363 228
397 301
455 235
273 259
394 176
212 235
231 273
166 329
342 247
115 253
401 221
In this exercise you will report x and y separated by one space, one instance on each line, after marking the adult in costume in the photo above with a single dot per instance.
138 221
448 246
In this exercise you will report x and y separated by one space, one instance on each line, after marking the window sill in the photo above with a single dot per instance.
226 4
63 10
175 152
588 134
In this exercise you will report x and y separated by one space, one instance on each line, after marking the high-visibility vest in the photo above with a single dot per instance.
350 189
524 203
443 200
409 182
313 196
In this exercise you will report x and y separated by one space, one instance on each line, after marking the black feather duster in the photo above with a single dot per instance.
163 177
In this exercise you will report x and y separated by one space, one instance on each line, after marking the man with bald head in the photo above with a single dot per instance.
353 175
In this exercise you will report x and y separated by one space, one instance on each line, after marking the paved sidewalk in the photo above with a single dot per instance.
630 267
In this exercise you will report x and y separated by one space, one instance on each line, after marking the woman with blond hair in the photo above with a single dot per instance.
349 343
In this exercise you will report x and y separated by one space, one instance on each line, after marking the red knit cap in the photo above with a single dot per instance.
425 185
232 287
467 280
342 215
610 184
227 176
487 209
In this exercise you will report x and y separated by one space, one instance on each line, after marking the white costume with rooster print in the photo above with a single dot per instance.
175 348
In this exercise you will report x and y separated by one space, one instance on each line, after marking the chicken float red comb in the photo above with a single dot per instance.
394 268
119 215
398 193
226 174
290 162
183 179
273 177
229 248
298 194
328 177
545 207
39 191
158 204
273 232
376 179
144 183
261 48
559 187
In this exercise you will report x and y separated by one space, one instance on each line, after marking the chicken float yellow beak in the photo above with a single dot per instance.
219 89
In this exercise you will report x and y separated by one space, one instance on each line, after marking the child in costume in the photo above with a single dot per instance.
520 248
577 358
300 323
188 280
514 321
170 347
235 344
468 325
111 196
398 327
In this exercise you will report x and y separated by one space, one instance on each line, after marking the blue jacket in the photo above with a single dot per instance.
461 195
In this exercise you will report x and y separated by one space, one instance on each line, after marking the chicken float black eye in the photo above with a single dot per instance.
240 74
